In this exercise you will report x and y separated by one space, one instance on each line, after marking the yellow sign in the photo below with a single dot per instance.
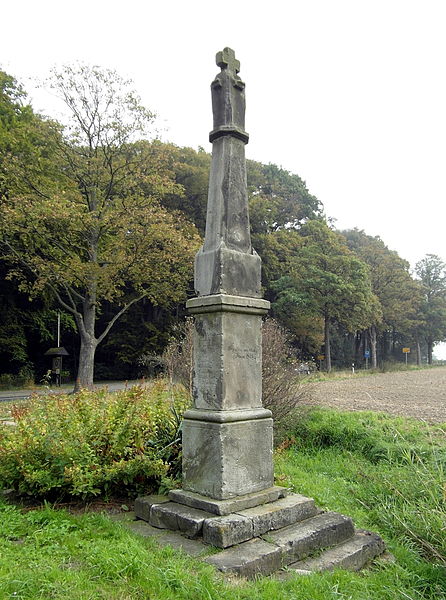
321 357
406 350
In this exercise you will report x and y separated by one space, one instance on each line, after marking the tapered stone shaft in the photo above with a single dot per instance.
227 264
227 435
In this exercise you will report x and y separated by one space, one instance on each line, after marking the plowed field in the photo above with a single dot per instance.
420 394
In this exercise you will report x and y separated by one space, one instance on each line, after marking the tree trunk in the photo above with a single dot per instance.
86 326
86 363
385 346
372 336
358 339
365 345
418 352
327 344
430 347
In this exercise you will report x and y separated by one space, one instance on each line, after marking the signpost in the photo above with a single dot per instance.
367 356
406 351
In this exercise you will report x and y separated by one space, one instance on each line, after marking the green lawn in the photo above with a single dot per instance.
388 474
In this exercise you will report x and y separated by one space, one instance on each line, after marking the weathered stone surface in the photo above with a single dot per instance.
227 263
225 460
143 504
223 532
227 303
249 559
323 530
281 513
227 416
227 365
228 271
225 456
145 529
353 554
232 505
178 517
228 96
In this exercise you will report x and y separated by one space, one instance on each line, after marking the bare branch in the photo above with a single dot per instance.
119 314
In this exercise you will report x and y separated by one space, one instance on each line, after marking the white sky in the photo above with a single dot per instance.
349 94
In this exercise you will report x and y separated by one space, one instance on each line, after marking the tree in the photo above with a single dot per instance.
399 295
278 199
431 271
191 171
325 279
27 143
98 233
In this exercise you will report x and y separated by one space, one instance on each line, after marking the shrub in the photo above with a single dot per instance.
25 377
178 356
6 380
93 443
281 389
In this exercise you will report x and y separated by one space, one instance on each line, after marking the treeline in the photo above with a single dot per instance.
100 222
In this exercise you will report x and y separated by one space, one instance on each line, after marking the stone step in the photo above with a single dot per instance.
143 505
280 548
223 532
301 540
231 505
256 557
178 517
352 555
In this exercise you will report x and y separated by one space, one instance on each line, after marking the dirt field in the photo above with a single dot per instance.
419 394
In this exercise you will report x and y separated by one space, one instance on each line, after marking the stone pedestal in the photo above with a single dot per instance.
227 436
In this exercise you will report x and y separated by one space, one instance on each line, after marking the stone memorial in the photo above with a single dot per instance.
228 499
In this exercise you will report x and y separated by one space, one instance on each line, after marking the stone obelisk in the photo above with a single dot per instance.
227 435
228 498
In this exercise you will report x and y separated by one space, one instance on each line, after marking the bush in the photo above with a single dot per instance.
281 389
6 380
93 443
178 356
24 378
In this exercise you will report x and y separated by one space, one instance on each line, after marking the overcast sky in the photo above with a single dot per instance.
349 94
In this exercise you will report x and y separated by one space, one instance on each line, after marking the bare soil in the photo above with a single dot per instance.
419 394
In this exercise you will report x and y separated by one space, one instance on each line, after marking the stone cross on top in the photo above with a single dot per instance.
226 60
228 98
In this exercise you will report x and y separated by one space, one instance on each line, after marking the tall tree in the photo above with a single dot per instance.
399 295
327 280
278 199
431 271
27 143
99 232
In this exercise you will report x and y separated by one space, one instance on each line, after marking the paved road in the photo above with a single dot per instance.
22 394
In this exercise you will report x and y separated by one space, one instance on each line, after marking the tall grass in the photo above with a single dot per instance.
390 472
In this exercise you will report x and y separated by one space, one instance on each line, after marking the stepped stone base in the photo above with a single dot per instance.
231 505
279 531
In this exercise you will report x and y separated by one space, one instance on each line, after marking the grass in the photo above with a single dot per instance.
341 374
387 473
